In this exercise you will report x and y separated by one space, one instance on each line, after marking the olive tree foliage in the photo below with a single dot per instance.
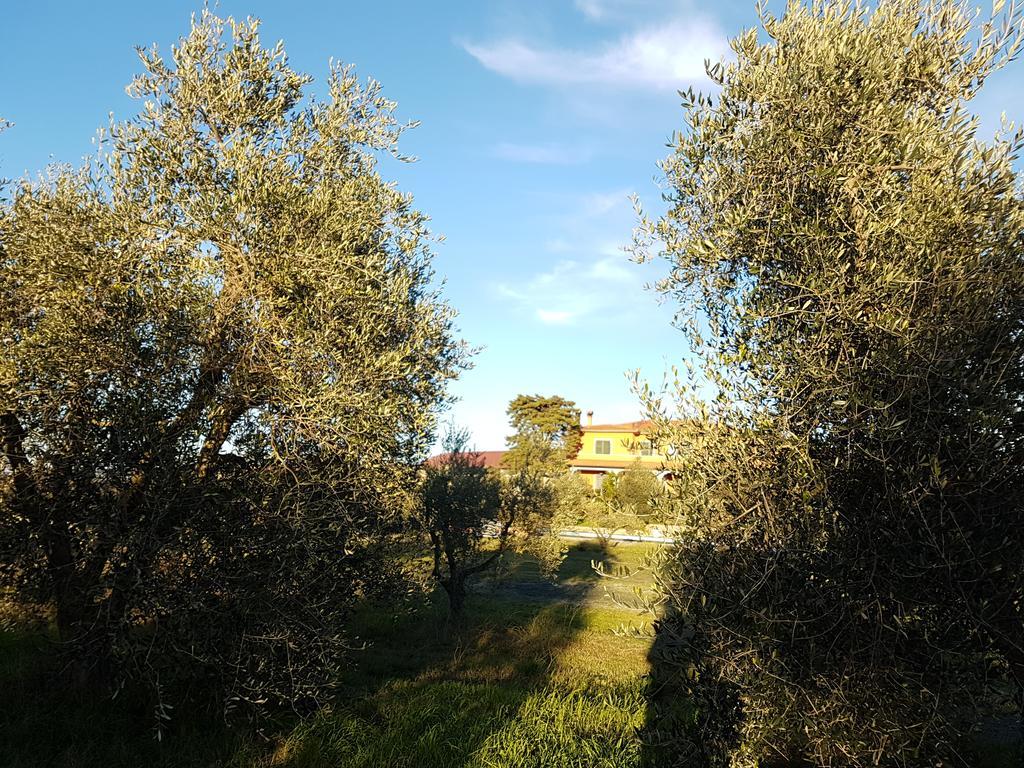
474 515
222 353
637 491
846 253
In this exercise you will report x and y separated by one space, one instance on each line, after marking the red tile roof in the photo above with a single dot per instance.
489 459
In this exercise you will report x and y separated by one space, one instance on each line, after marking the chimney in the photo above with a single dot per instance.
590 418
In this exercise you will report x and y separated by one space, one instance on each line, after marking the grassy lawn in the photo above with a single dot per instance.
535 678
554 680
527 681
525 685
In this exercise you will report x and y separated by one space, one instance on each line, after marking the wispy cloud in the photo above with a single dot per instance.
668 56
593 9
597 204
543 154
613 269
592 280
559 296
614 10
575 290
555 316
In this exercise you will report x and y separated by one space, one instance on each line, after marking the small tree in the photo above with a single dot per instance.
637 490
473 516
607 517
460 504
626 502
848 256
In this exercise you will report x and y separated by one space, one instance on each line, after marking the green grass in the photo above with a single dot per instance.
450 723
522 683
619 558
626 568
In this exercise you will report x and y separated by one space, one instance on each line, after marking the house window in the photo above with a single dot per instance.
646 448
603 447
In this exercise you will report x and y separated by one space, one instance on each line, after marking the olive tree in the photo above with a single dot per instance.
627 502
222 355
847 255
636 491
460 504
473 515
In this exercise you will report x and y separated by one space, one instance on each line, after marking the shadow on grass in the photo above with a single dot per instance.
527 682
493 695
44 722
623 568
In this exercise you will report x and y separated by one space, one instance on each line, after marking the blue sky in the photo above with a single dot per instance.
538 120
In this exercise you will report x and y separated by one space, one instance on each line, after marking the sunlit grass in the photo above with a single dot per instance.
522 683
446 723
555 685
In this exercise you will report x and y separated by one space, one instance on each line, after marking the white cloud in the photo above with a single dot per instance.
613 269
558 245
669 56
608 10
598 204
555 316
563 295
592 280
592 9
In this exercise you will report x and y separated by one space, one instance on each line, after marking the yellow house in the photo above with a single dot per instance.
614 448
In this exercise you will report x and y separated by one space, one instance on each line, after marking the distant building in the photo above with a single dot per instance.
605 449
489 459
613 448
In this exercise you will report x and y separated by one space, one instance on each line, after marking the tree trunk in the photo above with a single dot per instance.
88 652
1018 696
455 587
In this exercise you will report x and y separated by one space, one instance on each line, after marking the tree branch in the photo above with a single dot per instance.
220 428
12 441
502 542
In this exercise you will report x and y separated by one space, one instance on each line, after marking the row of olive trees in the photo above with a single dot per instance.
851 258
222 353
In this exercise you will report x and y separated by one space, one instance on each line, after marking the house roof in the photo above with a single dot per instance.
489 459
634 427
